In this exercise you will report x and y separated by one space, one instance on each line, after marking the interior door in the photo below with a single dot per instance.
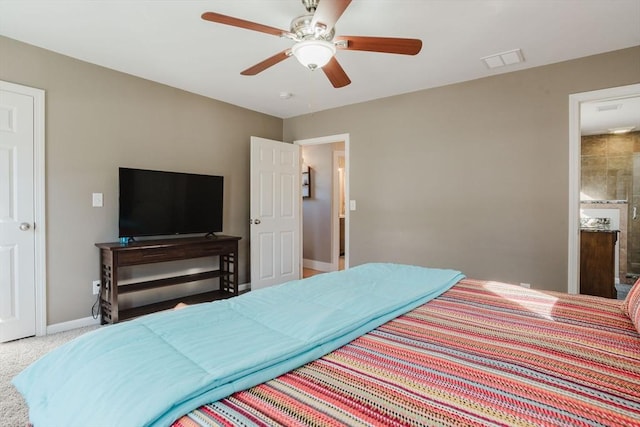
17 213
275 212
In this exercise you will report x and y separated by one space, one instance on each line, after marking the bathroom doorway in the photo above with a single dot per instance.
605 174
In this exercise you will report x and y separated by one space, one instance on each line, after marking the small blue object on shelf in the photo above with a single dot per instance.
124 241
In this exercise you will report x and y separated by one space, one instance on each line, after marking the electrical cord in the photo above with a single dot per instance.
95 309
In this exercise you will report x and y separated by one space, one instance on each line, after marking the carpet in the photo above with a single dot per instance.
14 357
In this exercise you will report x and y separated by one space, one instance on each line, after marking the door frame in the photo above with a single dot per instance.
575 100
334 219
40 249
335 209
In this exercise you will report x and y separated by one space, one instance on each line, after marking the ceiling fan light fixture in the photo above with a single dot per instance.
313 53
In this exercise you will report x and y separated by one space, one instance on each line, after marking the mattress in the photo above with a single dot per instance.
483 353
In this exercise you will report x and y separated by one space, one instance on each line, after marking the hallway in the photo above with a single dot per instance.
308 272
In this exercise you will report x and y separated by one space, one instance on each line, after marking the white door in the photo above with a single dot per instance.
275 212
17 213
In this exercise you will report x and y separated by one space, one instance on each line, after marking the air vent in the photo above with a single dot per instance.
505 58
609 107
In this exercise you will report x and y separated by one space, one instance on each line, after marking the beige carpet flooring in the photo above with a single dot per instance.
14 357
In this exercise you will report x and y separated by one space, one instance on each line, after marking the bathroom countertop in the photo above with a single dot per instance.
598 230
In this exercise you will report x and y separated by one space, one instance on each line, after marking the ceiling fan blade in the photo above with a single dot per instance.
236 22
380 44
336 75
269 62
328 12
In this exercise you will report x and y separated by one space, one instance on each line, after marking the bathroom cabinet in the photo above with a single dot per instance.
597 262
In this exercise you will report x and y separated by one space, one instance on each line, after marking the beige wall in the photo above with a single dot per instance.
472 176
97 120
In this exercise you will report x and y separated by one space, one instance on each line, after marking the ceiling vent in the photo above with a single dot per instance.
609 107
505 58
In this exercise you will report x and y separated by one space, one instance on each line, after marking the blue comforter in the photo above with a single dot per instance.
152 370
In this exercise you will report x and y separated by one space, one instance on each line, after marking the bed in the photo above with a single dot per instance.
483 353
479 353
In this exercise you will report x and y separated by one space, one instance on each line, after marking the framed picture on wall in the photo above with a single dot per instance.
306 182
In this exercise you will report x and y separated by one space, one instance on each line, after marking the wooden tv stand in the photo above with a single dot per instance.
115 255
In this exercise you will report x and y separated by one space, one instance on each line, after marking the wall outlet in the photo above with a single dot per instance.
525 285
95 285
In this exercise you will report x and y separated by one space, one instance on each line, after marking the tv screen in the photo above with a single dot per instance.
155 203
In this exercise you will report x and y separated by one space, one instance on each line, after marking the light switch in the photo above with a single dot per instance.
352 205
97 200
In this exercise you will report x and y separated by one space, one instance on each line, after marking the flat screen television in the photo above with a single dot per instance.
158 203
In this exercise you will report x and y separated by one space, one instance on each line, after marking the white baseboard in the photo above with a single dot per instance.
90 321
317 265
72 324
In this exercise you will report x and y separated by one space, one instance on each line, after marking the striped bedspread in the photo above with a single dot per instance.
483 353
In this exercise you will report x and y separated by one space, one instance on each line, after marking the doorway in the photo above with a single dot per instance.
620 195
325 229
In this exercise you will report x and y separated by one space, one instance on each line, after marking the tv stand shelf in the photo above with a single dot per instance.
114 255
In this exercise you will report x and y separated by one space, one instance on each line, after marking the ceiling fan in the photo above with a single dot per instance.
316 43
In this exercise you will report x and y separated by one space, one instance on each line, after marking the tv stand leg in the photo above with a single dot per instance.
229 280
108 290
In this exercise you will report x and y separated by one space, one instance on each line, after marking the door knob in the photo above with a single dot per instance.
257 221
25 226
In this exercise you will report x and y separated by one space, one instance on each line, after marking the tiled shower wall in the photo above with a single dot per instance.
610 170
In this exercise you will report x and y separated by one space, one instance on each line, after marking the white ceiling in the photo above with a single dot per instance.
166 41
